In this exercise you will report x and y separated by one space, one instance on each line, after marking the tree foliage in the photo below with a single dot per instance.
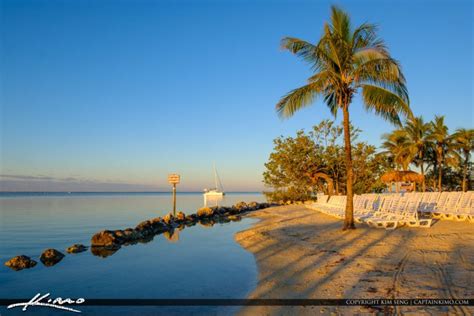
300 166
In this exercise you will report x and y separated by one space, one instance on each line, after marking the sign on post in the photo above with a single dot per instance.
173 179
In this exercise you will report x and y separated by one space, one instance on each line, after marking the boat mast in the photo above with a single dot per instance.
215 177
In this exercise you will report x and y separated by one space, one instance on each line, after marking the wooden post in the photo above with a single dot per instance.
174 180
174 199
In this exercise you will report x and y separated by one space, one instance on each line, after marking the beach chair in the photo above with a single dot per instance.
365 206
448 209
411 217
440 204
387 216
428 202
464 207
335 206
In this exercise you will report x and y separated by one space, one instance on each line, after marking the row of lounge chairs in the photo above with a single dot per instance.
392 210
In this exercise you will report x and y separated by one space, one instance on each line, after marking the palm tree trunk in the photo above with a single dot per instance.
464 173
440 176
349 218
423 184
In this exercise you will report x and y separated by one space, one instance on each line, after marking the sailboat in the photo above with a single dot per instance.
218 190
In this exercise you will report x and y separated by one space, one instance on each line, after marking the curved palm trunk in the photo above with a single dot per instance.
349 218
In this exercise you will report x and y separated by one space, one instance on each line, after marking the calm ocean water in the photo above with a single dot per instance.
197 262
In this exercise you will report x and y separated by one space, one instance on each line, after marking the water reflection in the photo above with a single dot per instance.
103 252
172 235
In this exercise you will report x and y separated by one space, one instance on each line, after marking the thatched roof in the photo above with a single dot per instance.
401 176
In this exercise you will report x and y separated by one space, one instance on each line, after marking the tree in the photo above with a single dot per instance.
443 147
299 166
418 133
346 61
288 165
464 141
396 146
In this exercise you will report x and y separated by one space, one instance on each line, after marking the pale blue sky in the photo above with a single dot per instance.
114 95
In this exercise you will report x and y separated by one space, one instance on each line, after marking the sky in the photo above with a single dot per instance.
115 95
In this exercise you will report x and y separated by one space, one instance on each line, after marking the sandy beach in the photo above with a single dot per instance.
301 253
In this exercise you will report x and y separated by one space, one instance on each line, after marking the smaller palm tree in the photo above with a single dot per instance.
397 149
464 142
418 133
443 147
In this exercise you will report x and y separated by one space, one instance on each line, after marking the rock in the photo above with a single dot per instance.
20 262
253 206
76 248
106 239
180 217
205 212
145 226
264 205
191 218
241 206
156 220
168 219
120 235
50 257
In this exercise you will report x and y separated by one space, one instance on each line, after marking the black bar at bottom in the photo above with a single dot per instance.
261 302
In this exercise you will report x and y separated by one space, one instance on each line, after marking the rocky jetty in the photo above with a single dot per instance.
50 257
20 262
106 242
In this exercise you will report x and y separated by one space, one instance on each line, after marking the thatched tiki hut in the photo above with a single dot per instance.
400 177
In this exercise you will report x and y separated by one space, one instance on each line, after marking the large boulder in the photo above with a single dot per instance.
50 257
106 239
20 262
76 248
205 212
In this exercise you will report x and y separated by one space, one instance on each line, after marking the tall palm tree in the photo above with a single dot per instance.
443 146
418 133
346 61
397 148
464 142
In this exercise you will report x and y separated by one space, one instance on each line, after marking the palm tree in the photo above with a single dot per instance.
464 142
443 146
346 61
397 148
418 133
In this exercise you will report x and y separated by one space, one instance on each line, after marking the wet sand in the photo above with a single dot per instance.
302 253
